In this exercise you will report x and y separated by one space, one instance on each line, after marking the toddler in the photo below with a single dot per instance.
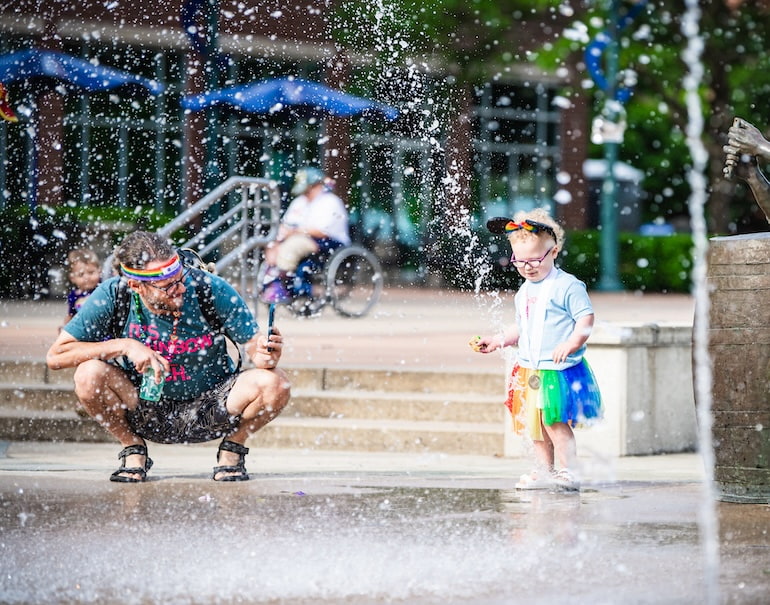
552 387
85 272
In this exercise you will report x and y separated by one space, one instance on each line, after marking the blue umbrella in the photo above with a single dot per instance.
274 96
33 63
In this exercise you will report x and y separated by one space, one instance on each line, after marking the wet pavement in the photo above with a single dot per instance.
363 528
360 528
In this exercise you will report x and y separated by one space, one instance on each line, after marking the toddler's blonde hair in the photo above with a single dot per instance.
538 215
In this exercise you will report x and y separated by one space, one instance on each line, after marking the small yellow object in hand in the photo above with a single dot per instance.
473 343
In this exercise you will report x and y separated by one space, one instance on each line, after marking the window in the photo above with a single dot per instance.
516 149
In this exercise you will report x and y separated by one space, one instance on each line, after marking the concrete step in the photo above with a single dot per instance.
32 372
13 372
38 397
49 425
412 381
304 403
350 434
382 435
356 409
440 407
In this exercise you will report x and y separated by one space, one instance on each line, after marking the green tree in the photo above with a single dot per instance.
737 75
478 39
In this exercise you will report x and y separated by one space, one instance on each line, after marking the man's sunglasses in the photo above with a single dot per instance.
168 288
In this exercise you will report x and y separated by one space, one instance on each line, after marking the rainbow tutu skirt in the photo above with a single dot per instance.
570 396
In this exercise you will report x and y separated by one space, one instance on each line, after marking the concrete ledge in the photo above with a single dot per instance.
645 376
644 371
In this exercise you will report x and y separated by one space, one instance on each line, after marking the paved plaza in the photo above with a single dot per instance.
318 526
409 328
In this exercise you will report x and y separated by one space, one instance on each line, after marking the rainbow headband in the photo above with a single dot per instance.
170 269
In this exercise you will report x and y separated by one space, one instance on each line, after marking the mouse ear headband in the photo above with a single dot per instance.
502 225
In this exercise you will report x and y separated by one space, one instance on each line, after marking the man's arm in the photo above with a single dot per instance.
759 185
309 231
68 352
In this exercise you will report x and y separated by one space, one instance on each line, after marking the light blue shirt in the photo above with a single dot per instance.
568 302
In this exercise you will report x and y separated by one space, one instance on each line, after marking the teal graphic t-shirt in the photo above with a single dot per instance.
198 354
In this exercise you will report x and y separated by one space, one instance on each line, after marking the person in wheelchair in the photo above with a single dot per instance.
315 224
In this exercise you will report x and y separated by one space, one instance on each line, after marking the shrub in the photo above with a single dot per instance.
646 263
31 243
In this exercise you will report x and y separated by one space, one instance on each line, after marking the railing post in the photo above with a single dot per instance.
248 219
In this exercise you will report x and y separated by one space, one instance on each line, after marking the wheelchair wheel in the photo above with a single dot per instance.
306 305
353 281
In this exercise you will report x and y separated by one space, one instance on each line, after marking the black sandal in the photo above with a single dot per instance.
119 475
240 468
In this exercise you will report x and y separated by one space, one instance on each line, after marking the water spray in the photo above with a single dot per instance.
696 177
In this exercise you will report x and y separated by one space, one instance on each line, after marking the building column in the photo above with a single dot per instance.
47 163
459 152
194 129
574 134
337 156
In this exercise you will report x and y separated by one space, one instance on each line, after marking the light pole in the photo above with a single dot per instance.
212 175
612 136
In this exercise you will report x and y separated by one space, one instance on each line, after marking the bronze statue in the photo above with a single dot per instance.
745 144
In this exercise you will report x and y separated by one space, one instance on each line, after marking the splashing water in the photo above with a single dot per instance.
708 518
391 50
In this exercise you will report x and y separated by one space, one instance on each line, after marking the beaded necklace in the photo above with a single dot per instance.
143 335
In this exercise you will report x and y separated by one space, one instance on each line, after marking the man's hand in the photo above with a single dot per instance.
264 353
143 358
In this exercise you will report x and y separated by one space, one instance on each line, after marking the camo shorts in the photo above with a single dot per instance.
204 418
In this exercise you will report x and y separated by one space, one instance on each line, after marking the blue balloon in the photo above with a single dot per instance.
597 46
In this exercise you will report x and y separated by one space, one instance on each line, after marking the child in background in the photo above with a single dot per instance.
85 273
552 388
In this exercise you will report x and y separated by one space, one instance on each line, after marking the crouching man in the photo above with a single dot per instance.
161 318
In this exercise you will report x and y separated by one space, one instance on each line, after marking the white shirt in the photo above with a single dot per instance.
325 213
565 302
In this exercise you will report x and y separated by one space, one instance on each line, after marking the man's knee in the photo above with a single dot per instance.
271 388
277 386
90 377
99 384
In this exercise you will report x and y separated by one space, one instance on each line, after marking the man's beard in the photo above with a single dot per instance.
170 305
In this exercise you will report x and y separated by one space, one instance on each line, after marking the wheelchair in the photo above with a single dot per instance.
349 279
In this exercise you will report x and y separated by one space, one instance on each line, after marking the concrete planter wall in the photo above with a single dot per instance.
645 375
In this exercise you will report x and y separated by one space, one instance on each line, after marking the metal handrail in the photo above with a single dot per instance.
254 220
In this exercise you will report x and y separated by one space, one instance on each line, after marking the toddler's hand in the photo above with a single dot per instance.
561 352
484 344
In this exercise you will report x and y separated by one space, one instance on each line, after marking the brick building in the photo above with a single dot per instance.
491 146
